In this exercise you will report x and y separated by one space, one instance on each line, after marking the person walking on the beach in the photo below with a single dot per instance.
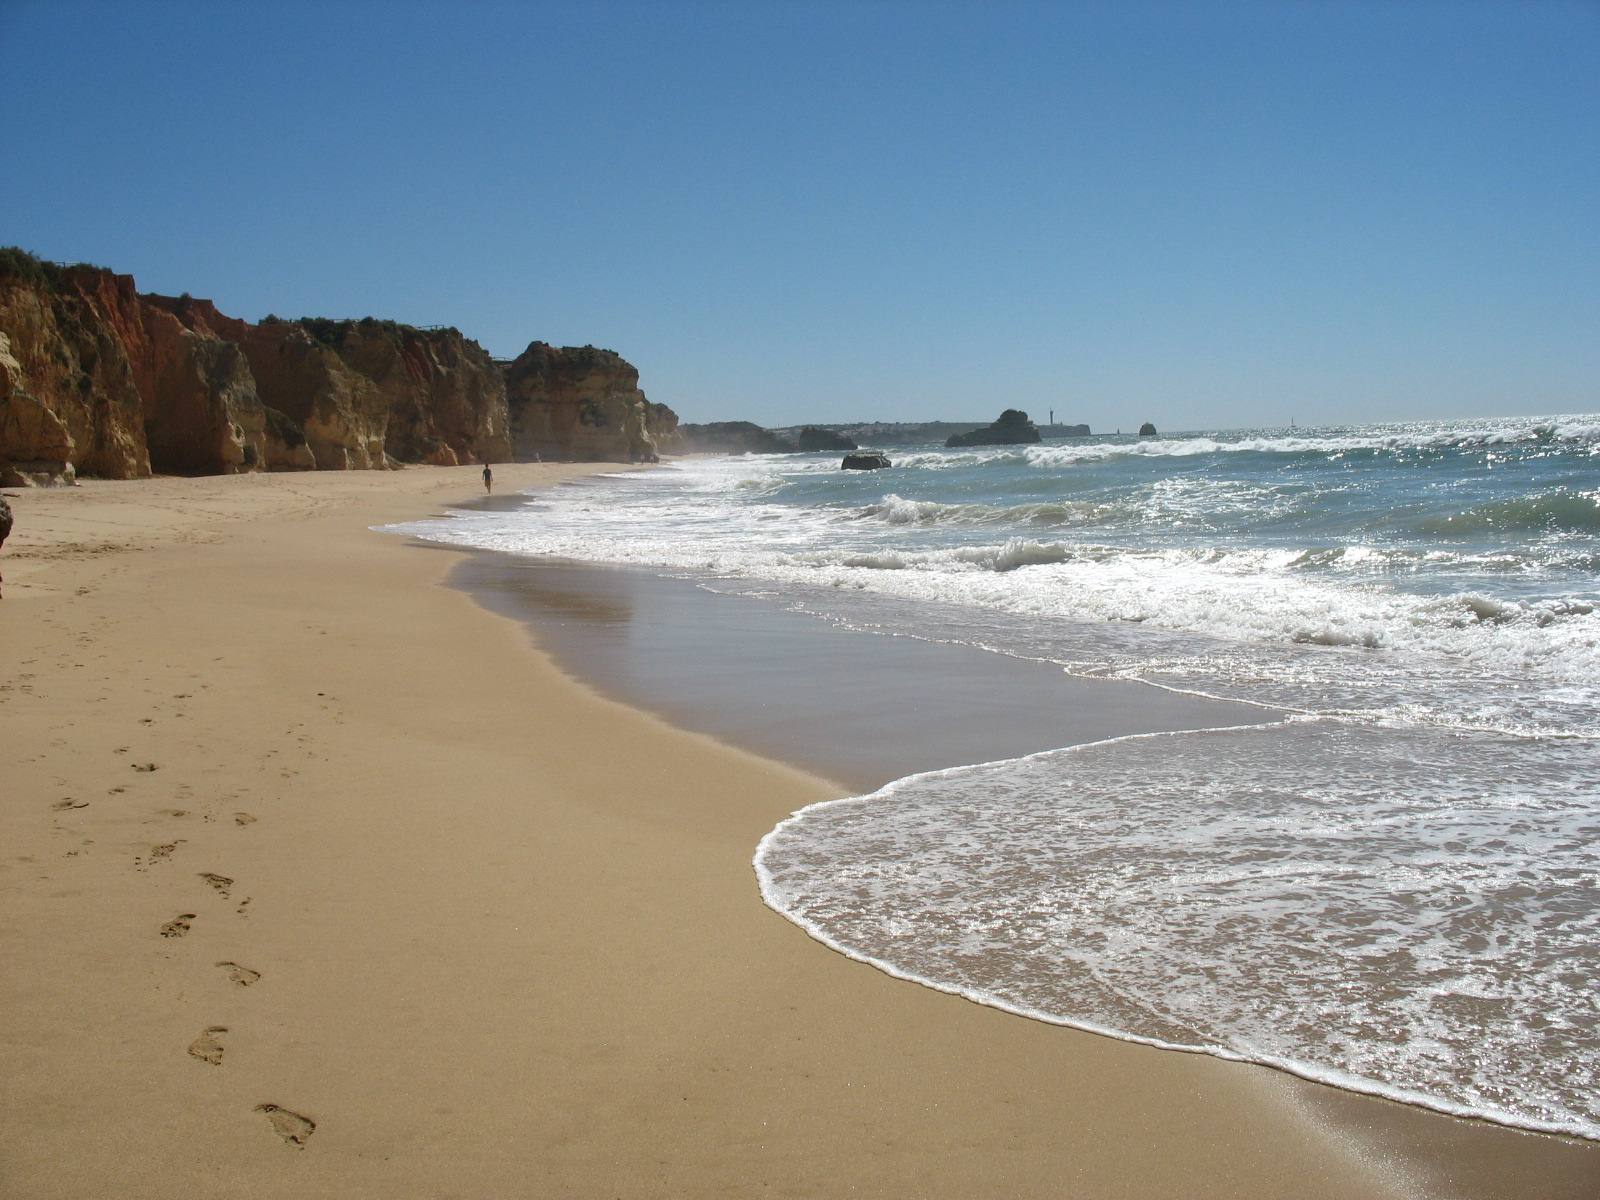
5 520
488 478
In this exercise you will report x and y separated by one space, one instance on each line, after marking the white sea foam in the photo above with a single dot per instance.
1253 593
1407 912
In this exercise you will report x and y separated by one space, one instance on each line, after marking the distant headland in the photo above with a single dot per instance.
743 437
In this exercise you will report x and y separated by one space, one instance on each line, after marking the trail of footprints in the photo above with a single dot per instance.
294 1128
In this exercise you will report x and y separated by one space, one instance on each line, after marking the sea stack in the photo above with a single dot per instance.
1012 428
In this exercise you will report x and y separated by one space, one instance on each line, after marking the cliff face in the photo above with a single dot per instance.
104 381
661 423
202 414
368 394
68 397
445 398
583 404
97 378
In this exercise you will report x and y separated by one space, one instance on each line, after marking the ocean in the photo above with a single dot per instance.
1392 886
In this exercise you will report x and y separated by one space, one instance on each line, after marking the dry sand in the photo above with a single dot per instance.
321 881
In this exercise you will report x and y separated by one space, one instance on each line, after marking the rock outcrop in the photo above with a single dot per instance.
1012 428
1147 430
733 437
662 424
99 379
580 403
871 461
812 440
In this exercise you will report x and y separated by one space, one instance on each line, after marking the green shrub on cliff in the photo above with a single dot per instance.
329 333
283 428
18 266
585 356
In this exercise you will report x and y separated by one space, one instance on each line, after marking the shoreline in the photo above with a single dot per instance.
847 705
505 933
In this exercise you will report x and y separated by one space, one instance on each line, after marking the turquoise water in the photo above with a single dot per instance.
1397 889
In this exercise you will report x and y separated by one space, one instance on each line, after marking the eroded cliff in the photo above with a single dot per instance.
68 397
99 379
584 404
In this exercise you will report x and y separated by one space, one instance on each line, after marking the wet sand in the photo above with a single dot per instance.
854 706
322 881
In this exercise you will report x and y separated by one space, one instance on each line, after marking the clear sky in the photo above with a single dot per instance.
1200 214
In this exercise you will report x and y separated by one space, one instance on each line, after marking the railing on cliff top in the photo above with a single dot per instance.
359 320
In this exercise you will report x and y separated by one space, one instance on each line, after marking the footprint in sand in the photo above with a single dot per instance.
160 853
220 882
291 1127
243 819
178 926
63 804
206 1047
146 767
243 976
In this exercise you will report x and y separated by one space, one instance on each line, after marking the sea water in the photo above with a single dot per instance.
1395 889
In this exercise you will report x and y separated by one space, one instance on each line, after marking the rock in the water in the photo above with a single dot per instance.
812 440
1013 428
1147 430
865 462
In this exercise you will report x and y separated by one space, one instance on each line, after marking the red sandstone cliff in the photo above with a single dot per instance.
370 393
97 378
68 397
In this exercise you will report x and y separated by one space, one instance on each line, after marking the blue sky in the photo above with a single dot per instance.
1199 214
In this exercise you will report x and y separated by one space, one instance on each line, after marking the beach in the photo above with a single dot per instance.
324 880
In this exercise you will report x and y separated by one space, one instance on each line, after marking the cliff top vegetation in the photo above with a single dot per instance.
18 265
